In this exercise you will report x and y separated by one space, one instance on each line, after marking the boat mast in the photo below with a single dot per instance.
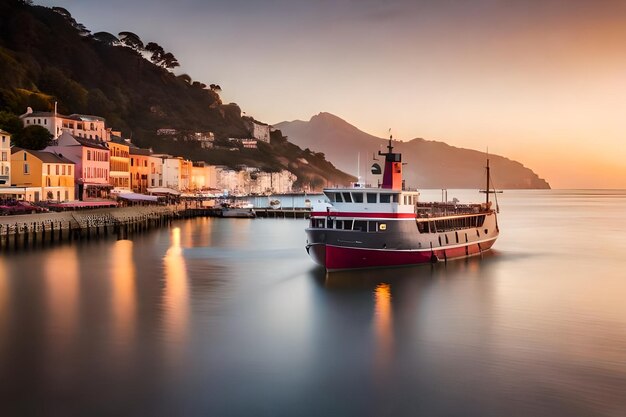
487 189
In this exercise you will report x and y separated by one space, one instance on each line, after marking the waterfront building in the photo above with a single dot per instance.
185 174
79 125
5 159
44 175
155 173
259 182
203 176
170 171
230 180
91 159
140 169
119 170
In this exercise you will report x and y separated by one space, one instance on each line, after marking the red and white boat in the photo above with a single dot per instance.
365 227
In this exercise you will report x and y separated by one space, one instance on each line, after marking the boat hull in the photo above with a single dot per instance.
334 257
238 213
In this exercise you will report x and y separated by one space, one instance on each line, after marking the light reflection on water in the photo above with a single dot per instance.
230 317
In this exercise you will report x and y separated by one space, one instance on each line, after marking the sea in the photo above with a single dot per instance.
230 317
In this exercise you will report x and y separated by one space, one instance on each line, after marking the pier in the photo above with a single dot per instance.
33 231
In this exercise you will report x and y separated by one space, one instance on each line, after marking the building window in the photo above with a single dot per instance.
26 169
25 156
63 169
57 169
89 155
69 170
4 156
48 169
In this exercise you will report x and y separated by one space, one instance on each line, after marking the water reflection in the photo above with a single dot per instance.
124 292
4 301
176 297
62 285
383 327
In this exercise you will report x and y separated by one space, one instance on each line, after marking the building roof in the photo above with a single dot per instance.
4 132
86 118
140 151
78 117
119 140
45 157
67 139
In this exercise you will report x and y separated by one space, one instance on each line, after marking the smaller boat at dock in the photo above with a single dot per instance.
237 209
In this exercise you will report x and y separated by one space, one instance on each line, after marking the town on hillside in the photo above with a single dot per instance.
88 162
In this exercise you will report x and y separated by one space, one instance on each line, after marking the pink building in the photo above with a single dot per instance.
91 174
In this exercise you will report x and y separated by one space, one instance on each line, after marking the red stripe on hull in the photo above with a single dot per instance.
336 257
366 215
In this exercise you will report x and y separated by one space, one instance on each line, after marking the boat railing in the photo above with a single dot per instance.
436 209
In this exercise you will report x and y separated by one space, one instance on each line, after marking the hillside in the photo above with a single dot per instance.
430 164
47 57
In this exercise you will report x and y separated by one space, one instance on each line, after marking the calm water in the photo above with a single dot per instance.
229 317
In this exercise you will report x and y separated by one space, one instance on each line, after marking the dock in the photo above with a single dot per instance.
32 231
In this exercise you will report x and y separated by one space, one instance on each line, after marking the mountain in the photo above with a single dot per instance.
47 57
429 164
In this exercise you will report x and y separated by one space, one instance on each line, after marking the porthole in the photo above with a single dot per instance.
486 231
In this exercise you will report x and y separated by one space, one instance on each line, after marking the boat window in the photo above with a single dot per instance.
357 197
371 197
395 198
360 225
321 223
331 197
338 198
371 226
347 198
347 224
385 198
338 224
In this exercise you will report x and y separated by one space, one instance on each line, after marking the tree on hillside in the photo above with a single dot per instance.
71 94
157 52
215 87
82 29
185 77
10 122
32 137
131 40
106 38
169 61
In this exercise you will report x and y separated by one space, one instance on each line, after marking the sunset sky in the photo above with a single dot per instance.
541 82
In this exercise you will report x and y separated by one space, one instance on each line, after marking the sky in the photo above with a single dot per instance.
540 82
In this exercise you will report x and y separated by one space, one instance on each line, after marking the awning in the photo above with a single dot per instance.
138 197
162 190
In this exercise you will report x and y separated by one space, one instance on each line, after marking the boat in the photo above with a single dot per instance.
386 226
237 209
274 203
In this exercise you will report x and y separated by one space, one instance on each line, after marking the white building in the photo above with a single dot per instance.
155 174
5 159
79 125
170 171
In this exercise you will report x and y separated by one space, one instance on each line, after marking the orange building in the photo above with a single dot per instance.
140 165
119 172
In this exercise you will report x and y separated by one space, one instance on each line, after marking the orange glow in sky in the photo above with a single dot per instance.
541 82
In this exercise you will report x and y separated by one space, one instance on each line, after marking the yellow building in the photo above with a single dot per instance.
119 173
185 174
44 175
